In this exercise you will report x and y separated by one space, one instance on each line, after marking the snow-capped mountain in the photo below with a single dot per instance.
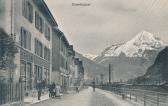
90 56
136 46
131 59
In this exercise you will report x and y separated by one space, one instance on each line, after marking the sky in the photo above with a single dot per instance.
97 24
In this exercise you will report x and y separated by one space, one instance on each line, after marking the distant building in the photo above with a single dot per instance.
60 57
67 70
71 66
30 23
79 74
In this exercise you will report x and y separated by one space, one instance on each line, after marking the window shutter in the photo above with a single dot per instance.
21 35
29 41
42 25
36 21
35 48
48 33
24 7
45 30
26 39
27 9
31 13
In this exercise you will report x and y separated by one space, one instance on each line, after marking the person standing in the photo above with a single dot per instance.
39 88
58 90
77 89
53 90
94 86
50 90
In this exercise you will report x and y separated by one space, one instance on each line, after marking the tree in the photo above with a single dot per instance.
8 50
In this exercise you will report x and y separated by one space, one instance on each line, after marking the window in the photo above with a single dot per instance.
46 53
25 39
39 22
65 52
46 76
38 74
38 48
23 69
47 32
66 66
64 49
27 10
26 74
29 76
62 62
61 45
23 72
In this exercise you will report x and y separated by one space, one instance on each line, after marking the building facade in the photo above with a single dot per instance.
60 70
66 70
71 66
79 73
30 23
45 55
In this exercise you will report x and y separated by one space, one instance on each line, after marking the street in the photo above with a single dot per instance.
87 98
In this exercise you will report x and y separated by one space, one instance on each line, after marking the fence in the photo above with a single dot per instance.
10 93
145 97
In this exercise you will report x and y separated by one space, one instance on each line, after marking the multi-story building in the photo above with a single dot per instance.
71 66
30 23
44 55
67 70
60 56
79 73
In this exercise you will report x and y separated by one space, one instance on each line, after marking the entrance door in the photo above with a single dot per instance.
29 76
23 73
39 73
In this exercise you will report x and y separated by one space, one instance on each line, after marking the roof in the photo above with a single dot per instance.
58 32
42 6
71 50
61 35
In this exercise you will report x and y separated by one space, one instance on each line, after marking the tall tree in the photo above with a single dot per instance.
8 50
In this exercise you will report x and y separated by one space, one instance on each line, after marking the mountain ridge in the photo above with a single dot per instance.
136 47
132 58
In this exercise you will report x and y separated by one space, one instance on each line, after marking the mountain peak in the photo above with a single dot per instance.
144 31
145 36
90 56
136 47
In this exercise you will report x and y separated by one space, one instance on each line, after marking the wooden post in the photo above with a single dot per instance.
144 100
157 99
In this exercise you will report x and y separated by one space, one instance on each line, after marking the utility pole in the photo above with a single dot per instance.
109 73
101 78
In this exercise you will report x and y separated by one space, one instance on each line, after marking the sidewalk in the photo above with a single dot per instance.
32 100
118 101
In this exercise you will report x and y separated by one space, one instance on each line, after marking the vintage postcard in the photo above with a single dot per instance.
83 52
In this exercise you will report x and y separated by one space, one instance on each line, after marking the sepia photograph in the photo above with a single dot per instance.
83 52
